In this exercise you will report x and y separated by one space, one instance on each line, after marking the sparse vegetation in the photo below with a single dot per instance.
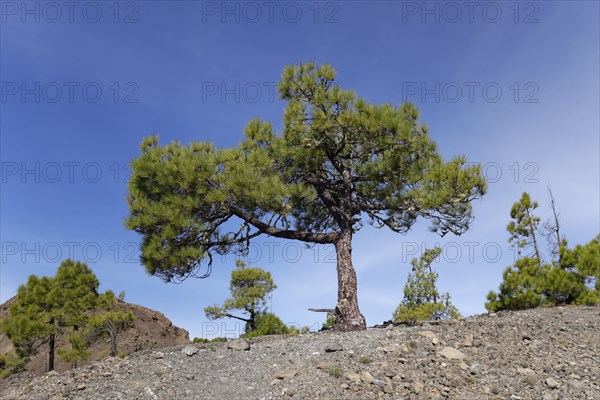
10 363
366 359
336 372
213 340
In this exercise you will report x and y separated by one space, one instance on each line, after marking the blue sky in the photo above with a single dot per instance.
514 86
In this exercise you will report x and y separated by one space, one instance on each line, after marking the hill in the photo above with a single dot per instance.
548 353
151 329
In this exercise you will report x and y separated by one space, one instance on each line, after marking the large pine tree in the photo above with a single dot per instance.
338 160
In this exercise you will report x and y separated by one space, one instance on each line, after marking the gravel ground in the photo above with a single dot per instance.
548 353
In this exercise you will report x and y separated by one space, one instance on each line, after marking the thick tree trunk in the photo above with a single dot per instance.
252 320
347 313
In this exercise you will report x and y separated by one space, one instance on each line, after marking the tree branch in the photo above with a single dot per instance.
322 238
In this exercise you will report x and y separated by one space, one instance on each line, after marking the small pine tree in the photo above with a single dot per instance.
10 363
422 302
329 322
249 289
111 321
79 348
524 227
520 289
266 324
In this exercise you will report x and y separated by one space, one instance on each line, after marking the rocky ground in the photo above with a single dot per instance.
550 353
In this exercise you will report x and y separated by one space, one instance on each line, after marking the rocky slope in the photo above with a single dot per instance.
151 329
551 353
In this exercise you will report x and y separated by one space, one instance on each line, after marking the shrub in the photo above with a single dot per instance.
10 364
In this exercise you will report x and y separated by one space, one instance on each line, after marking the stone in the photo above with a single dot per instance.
344 386
468 340
475 369
575 384
526 372
379 383
388 389
239 345
287 374
390 374
416 387
333 347
366 377
189 350
452 354
159 355
552 383
353 376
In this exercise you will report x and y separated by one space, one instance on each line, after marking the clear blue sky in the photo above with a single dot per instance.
514 87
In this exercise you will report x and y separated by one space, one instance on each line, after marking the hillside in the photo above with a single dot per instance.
549 353
150 330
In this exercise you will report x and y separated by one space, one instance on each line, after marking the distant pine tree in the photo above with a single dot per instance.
572 277
111 321
422 301
46 307
249 289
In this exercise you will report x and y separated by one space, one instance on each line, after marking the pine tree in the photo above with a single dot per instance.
46 307
329 321
10 363
524 227
422 301
266 324
584 261
338 159
519 289
111 319
571 277
249 289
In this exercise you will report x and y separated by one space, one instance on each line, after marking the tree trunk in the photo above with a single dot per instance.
113 339
74 363
252 320
51 353
347 313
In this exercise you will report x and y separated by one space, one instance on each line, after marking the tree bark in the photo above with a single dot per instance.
113 339
252 321
347 313
51 352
